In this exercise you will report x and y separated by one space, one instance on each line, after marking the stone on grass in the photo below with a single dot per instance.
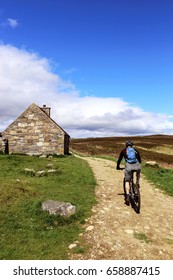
49 165
41 173
52 171
65 209
71 246
152 163
29 171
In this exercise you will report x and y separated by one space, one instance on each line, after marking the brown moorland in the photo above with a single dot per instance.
151 147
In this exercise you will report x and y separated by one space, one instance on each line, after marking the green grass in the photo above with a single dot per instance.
169 241
142 237
160 177
27 232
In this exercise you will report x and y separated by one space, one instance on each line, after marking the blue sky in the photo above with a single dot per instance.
111 63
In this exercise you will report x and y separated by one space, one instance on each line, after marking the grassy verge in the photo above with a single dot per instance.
160 177
26 231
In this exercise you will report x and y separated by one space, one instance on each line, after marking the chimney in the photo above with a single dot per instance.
46 110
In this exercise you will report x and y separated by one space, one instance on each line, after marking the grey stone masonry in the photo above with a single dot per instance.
35 133
2 146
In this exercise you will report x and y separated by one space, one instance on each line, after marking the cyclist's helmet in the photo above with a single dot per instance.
129 143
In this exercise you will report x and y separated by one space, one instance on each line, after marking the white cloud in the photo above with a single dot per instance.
70 71
26 78
13 23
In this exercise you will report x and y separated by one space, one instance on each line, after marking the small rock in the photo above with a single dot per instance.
52 171
152 164
29 171
126 212
129 231
49 165
41 173
147 227
89 228
118 244
71 246
100 222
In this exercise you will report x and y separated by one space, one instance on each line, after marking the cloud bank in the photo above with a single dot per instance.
26 78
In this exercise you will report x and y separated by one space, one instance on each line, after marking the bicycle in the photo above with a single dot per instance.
134 193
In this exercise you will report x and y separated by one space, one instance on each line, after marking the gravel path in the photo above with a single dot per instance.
115 231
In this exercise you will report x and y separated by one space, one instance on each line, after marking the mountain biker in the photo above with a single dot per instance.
133 160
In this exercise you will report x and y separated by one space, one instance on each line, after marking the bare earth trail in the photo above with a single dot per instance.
115 231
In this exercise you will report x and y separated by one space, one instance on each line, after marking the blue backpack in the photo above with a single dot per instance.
131 155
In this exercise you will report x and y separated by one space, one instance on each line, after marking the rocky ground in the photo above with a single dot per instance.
115 231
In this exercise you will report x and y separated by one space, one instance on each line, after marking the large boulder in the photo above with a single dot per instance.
65 209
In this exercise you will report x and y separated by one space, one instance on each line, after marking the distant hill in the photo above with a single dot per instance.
151 147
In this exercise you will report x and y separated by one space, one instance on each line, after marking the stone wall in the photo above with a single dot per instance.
35 133
2 146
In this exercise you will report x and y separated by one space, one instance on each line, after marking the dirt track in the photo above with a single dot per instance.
115 231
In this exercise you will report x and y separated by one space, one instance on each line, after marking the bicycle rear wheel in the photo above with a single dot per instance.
135 198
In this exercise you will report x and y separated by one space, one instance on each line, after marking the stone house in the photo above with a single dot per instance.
35 133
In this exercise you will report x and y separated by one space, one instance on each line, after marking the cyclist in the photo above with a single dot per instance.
133 160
